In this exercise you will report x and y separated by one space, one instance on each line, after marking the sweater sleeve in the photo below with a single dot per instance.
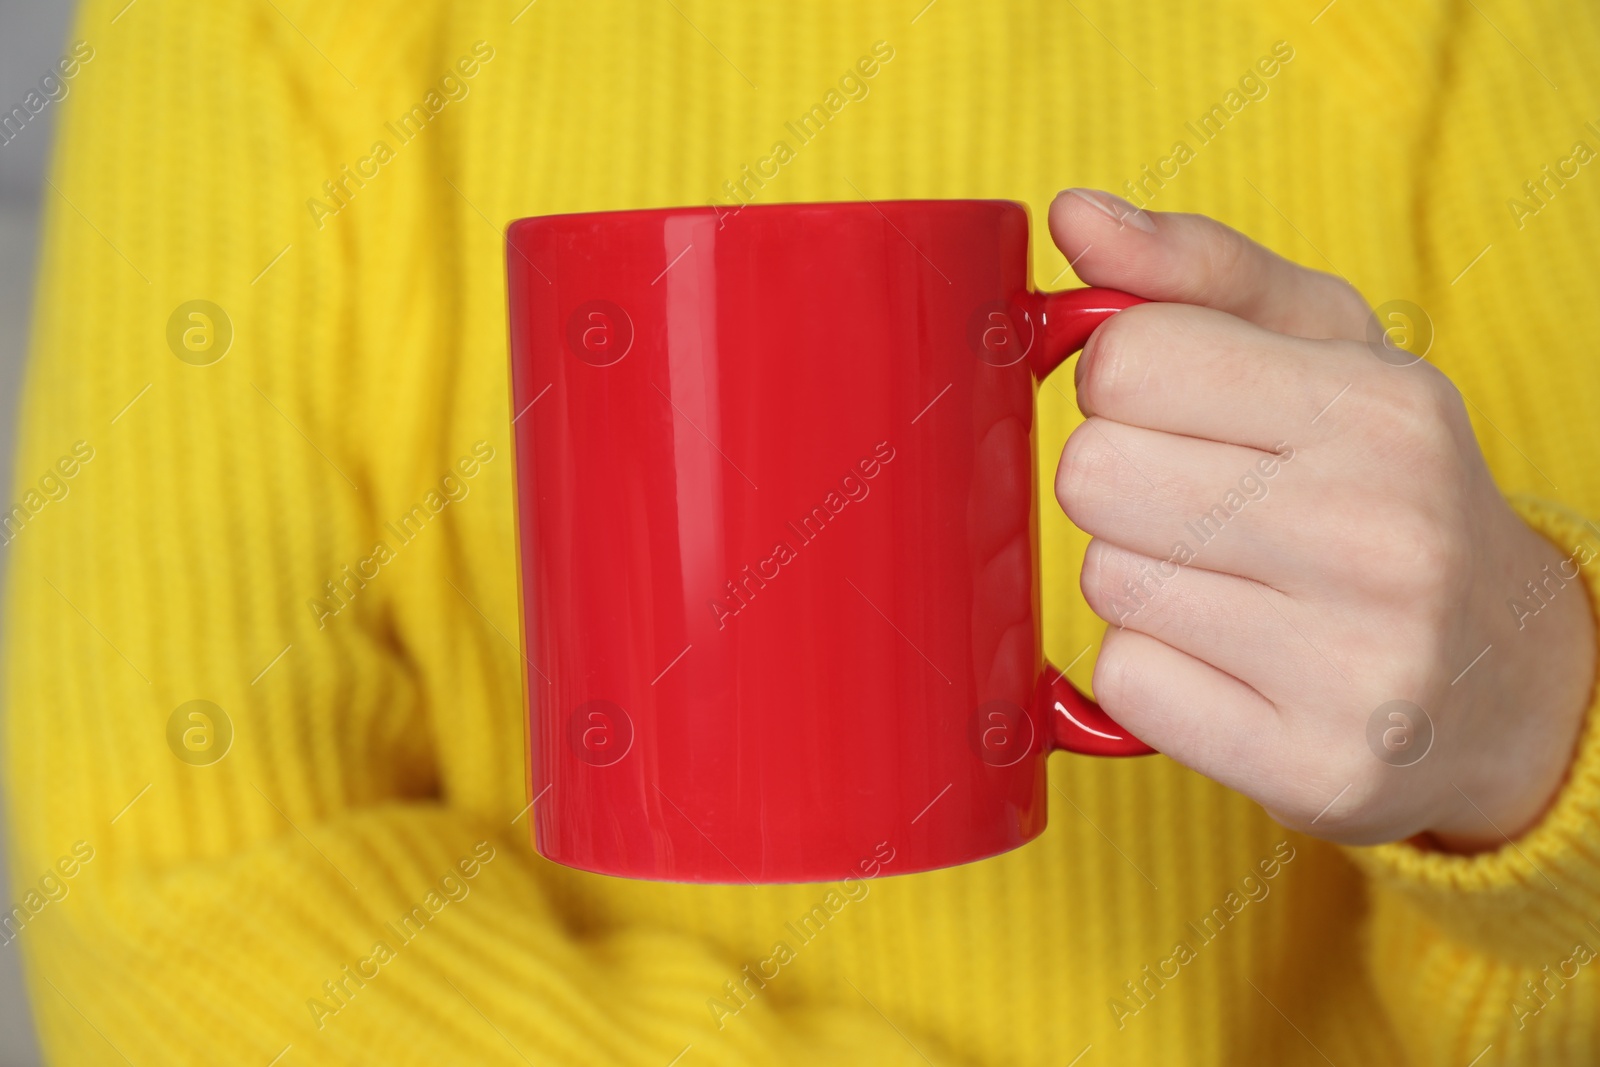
263 695
1501 940
1498 949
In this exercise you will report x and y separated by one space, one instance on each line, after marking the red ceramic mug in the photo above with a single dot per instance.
778 537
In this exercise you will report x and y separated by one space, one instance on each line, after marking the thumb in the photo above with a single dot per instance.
1192 259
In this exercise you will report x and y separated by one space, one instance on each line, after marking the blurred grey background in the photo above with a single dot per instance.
32 33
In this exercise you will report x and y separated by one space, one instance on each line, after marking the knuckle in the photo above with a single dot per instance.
1429 389
1423 561
1427 397
1225 253
1097 579
1116 680
1344 300
1106 571
1114 360
1086 470
1339 802
1350 814
1419 417
1072 473
1442 399
1424 674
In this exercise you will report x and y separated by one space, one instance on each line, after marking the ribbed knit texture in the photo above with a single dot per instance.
371 755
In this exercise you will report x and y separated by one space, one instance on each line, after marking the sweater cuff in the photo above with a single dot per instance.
1540 893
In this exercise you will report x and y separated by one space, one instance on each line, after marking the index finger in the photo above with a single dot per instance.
1204 373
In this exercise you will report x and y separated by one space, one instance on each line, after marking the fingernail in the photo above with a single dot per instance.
1118 208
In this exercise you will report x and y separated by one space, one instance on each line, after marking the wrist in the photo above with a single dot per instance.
1525 712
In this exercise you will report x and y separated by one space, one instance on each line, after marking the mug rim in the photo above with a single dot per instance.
715 211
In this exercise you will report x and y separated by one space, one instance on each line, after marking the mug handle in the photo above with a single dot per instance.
1062 323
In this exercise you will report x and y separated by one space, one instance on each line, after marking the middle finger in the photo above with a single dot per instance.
1217 506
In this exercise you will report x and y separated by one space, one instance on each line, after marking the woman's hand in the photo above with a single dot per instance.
1293 530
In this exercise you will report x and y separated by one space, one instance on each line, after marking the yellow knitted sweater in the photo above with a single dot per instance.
327 862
